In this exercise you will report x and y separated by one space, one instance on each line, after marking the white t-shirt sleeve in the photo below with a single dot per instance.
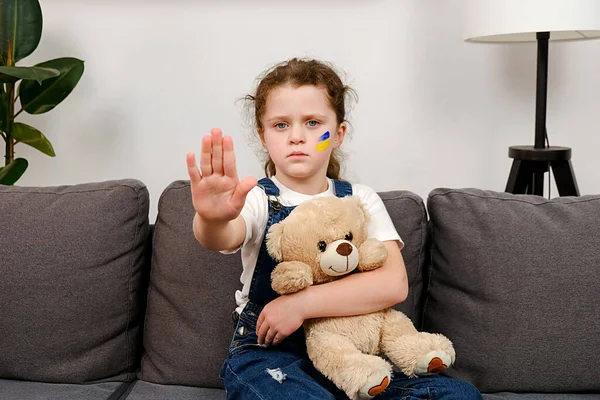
381 226
255 215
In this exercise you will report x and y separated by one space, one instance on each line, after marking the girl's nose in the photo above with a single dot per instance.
297 136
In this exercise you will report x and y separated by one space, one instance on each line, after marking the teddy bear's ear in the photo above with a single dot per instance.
274 237
355 203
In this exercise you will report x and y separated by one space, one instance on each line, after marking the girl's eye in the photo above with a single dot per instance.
313 123
281 125
322 246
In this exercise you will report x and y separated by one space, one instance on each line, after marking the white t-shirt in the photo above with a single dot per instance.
256 211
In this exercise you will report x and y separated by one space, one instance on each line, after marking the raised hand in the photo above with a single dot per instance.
217 193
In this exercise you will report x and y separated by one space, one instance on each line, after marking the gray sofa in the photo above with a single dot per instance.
98 303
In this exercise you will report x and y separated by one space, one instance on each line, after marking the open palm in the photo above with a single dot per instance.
217 193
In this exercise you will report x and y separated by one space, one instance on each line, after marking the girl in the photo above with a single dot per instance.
299 110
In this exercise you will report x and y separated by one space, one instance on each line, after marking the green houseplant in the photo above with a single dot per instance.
34 90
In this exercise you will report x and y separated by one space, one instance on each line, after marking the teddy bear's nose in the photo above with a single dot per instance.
344 249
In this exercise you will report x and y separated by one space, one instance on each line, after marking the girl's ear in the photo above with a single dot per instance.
261 135
338 139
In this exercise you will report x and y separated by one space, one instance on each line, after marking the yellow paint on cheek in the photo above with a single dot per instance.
323 145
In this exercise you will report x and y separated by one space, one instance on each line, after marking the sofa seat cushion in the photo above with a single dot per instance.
515 284
20 390
151 391
72 261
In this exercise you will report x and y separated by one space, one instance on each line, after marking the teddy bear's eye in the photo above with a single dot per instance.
322 246
349 236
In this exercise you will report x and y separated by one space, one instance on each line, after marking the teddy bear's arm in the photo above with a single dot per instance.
372 255
291 277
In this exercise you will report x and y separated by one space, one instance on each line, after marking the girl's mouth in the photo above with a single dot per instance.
297 154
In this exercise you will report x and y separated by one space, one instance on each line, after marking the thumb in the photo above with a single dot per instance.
243 188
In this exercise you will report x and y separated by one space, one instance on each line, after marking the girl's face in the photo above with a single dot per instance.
296 122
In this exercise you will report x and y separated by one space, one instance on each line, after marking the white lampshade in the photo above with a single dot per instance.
496 21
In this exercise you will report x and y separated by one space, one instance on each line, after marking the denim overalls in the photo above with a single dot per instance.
252 371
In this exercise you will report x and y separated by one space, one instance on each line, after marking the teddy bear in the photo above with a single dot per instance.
325 239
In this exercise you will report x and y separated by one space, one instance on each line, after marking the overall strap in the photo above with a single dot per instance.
342 188
268 186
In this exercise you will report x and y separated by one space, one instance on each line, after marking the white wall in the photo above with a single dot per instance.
433 110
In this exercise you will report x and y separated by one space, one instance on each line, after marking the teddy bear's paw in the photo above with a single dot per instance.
376 384
433 362
372 255
291 277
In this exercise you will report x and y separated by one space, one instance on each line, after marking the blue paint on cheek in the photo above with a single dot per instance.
324 137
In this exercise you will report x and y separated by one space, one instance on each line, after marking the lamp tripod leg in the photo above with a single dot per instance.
565 178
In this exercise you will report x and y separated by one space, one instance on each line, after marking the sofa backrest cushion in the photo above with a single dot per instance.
71 281
191 296
408 214
190 299
515 285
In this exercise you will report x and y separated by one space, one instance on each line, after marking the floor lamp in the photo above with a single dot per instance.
541 21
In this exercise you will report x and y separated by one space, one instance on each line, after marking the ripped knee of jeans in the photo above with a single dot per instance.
277 374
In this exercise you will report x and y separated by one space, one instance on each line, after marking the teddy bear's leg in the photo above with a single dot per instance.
415 353
359 375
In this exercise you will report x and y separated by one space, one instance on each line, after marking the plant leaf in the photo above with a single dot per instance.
13 171
20 29
38 99
13 74
29 135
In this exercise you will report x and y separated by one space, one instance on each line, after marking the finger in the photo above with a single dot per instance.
259 326
262 334
241 191
278 338
193 171
229 167
270 336
217 151
206 156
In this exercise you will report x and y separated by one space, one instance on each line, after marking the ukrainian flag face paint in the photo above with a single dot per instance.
324 142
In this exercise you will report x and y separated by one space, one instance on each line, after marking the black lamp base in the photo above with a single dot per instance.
530 164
